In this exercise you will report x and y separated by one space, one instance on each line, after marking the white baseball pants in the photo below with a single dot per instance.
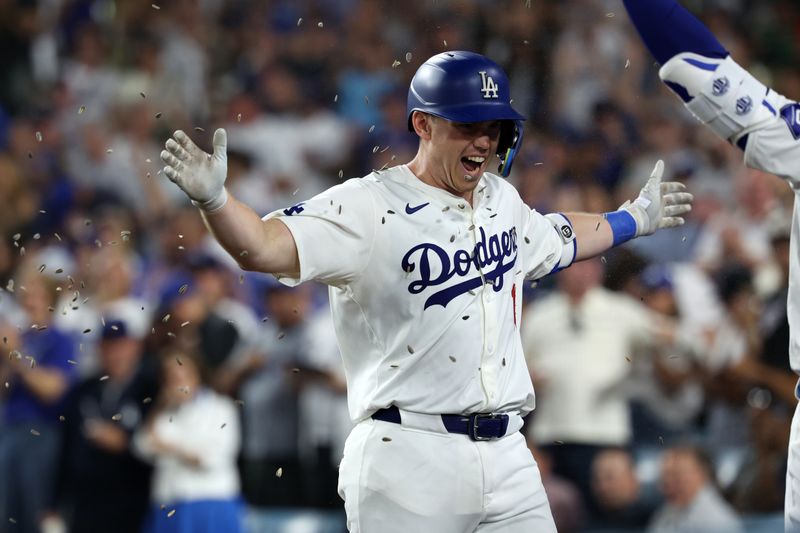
792 501
397 478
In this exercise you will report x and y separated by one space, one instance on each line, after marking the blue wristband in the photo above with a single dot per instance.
623 226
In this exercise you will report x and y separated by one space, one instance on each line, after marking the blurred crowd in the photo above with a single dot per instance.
146 381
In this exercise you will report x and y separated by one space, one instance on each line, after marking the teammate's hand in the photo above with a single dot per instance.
659 205
199 174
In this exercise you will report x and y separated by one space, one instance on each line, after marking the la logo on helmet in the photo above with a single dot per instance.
489 88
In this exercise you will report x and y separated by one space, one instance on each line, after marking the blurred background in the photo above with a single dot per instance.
661 370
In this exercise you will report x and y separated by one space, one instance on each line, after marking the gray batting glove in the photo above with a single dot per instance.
199 174
659 205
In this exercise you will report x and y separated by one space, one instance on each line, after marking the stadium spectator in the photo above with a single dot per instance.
692 502
192 438
101 482
621 506
37 369
580 342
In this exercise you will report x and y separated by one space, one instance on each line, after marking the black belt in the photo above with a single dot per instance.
477 426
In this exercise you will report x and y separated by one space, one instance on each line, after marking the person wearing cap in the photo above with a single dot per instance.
426 262
102 486
229 326
666 395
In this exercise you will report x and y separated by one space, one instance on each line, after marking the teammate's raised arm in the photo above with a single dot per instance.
723 95
751 116
265 246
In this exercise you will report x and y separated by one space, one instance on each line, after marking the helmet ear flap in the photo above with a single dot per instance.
507 134
508 145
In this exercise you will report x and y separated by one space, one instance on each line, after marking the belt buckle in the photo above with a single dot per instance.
474 420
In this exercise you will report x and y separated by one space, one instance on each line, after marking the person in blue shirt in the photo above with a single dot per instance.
36 370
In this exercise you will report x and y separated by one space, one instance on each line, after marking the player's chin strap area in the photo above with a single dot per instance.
477 426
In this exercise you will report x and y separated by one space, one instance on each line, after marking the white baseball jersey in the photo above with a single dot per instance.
426 290
775 148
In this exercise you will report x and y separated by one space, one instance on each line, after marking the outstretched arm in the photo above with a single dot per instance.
659 205
256 244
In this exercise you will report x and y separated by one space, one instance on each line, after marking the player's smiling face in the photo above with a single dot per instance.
453 155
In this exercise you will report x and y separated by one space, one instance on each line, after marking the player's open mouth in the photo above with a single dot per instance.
472 163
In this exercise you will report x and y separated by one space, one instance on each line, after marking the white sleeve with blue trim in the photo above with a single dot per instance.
548 244
334 233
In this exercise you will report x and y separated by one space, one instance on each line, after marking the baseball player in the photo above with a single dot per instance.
425 263
762 123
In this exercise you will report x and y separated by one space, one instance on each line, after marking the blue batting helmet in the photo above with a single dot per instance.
468 87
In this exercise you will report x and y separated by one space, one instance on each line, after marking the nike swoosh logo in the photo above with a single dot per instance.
411 210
